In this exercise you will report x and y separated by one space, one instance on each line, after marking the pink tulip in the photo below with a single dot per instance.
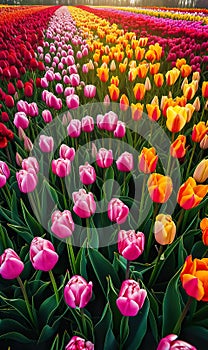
62 224
85 69
90 91
77 292
49 75
131 298
75 80
79 55
84 203
70 60
22 106
125 162
57 76
46 143
61 167
117 211
69 91
130 244
33 110
67 152
21 120
72 69
44 83
87 174
4 173
74 128
106 101
66 79
27 180
120 130
77 343
170 343
59 88
85 51
42 254
47 116
30 163
104 158
11 265
72 101
87 124
108 121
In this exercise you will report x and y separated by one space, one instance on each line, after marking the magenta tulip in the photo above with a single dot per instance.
125 162
131 298
59 88
170 342
104 158
74 128
120 130
62 224
130 244
84 203
47 116
77 292
75 80
42 254
87 174
69 91
4 173
77 343
30 163
67 152
27 180
33 110
61 167
11 265
117 211
72 101
46 143
22 106
28 145
90 91
87 124
21 120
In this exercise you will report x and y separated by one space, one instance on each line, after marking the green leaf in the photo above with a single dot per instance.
48 306
196 335
32 224
124 330
18 337
81 263
103 329
102 269
171 306
137 327
46 333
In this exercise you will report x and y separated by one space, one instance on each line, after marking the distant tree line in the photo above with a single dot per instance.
143 3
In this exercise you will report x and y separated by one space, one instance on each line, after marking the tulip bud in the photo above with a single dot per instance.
147 84
62 224
46 143
18 159
164 229
201 171
130 244
84 204
125 162
170 342
11 265
42 254
28 145
204 229
204 142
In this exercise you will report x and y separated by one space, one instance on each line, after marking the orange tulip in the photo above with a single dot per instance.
176 118
159 79
164 229
136 111
201 171
105 59
139 53
196 76
185 70
115 81
165 103
113 92
190 110
204 228
143 41
124 103
150 55
142 70
171 76
205 89
178 147
147 160
194 277
103 74
139 91
153 111
190 194
199 131
180 62
134 44
154 68
181 101
129 53
122 67
160 187
119 56
132 74
157 49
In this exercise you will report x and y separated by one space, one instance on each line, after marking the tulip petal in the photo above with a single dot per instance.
127 307
193 286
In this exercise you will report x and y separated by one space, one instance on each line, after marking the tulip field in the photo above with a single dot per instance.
103 178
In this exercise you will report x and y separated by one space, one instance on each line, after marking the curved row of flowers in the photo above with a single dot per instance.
91 61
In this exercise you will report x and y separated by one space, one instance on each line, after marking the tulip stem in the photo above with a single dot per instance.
64 192
26 299
149 241
54 285
8 155
84 322
127 269
177 327
71 255
190 160
180 219
142 195
154 273
88 230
